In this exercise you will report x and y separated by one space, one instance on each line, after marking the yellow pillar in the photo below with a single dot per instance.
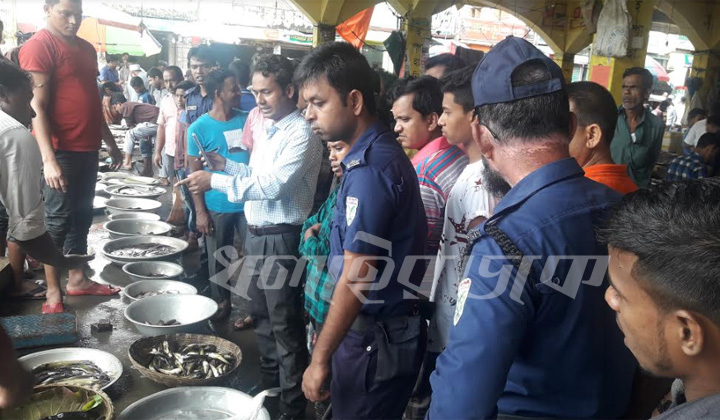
608 71
706 66
322 34
417 30
566 61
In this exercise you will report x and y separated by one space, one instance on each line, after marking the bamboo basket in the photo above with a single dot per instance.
139 354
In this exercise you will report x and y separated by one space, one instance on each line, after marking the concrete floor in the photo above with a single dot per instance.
132 386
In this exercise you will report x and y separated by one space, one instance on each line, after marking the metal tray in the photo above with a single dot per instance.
179 245
104 360
192 403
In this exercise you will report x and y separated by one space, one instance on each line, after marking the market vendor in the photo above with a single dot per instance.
20 163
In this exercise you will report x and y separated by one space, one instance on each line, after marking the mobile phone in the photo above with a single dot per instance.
200 147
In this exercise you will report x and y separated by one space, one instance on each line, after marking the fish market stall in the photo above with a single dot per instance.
112 355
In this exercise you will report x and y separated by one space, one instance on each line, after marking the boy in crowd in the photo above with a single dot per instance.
664 266
157 85
136 83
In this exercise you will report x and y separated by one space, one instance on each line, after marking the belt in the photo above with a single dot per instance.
274 229
364 322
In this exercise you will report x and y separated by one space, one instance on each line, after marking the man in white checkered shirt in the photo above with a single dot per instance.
277 187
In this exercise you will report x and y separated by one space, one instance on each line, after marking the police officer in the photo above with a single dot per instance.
373 335
197 101
532 339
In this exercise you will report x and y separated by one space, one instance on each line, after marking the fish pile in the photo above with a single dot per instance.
195 361
133 191
143 250
156 293
162 323
78 373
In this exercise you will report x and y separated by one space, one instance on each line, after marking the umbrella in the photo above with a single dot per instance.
115 32
656 69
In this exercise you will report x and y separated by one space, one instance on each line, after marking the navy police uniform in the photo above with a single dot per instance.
380 213
548 346
196 105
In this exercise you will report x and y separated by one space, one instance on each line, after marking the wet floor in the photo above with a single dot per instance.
132 386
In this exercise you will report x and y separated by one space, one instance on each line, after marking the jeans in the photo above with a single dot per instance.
145 133
68 215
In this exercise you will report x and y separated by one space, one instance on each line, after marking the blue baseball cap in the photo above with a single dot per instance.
492 80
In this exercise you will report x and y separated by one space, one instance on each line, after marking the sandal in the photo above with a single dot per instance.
243 323
55 308
31 294
96 289
224 309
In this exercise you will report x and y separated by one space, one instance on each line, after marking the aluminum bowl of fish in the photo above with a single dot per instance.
185 359
134 216
126 205
149 288
143 248
153 270
199 402
73 366
135 191
171 314
125 228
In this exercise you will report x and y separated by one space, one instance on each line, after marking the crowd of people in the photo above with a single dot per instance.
452 233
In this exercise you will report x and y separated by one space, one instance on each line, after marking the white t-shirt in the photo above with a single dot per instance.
696 131
468 200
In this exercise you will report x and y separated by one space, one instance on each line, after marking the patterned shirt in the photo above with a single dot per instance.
278 185
437 175
467 201
687 167
319 285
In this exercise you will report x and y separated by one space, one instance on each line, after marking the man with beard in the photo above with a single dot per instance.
531 336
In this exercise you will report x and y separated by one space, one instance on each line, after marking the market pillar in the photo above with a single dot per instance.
608 71
322 34
566 61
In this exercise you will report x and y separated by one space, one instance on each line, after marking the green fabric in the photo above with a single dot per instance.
319 286
642 155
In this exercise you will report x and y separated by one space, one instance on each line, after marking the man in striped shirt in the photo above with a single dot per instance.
417 106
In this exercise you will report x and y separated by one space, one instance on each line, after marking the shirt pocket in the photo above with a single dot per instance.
233 139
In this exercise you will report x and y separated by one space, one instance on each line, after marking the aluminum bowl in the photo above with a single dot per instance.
195 402
141 180
141 191
126 205
134 216
153 270
144 286
191 311
104 360
126 228
131 241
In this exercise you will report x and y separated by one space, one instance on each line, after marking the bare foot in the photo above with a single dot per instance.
28 290
53 297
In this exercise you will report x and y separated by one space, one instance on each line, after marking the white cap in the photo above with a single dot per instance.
134 67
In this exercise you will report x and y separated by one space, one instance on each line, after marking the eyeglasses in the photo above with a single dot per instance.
476 115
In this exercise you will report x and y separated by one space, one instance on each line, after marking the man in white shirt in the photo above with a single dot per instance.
278 189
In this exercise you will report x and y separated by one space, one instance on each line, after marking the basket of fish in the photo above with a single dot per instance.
63 402
149 288
171 314
185 359
125 205
135 191
143 248
90 368
125 228
153 270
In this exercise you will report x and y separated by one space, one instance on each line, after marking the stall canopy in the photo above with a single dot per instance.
115 32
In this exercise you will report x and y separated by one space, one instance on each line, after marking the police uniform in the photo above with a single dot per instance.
380 213
197 105
532 334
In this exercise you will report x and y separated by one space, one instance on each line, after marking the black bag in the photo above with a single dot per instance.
399 347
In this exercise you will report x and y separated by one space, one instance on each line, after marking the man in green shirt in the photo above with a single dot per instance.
639 134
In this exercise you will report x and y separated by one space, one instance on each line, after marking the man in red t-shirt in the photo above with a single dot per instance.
69 127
